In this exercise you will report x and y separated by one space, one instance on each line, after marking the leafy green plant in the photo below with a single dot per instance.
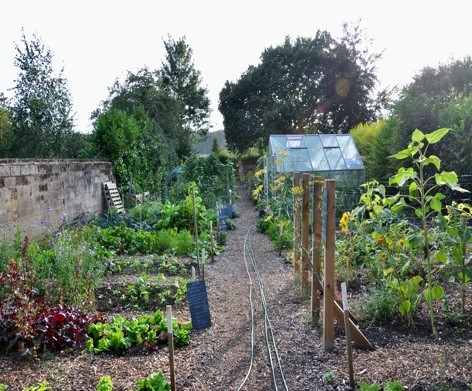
393 386
105 384
409 293
458 225
120 334
155 382
328 376
67 268
422 198
364 386
380 306
41 387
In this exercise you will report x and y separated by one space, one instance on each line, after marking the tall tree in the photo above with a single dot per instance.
423 100
5 127
183 82
42 119
139 129
306 85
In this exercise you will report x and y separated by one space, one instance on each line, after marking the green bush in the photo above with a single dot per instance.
380 306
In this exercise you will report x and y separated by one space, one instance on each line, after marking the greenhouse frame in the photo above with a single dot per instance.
330 156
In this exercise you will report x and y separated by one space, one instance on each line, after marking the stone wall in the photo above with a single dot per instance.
37 196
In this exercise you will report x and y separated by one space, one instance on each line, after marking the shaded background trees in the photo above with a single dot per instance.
308 85
436 98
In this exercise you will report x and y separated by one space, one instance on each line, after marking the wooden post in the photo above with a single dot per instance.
212 242
195 226
203 262
296 223
316 251
305 231
328 294
348 336
170 339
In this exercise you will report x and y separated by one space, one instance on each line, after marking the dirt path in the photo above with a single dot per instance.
218 358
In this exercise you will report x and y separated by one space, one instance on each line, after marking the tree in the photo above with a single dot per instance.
5 128
437 98
41 107
308 85
183 82
128 142
372 141
144 89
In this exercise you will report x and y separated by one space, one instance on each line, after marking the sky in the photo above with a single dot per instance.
99 41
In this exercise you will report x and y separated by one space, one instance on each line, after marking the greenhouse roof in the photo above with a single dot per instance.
314 153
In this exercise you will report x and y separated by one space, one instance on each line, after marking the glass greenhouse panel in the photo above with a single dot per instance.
332 156
329 140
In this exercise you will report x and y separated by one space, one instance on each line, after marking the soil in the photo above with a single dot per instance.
218 358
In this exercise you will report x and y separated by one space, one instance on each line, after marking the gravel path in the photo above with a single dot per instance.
219 357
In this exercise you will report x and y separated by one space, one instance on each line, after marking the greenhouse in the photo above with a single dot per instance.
331 156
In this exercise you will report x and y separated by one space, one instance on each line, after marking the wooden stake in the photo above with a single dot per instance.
170 339
316 251
328 295
305 231
348 336
296 224
212 242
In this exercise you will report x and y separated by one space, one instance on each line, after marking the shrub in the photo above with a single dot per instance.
380 306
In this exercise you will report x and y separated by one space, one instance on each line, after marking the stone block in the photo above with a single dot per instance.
5 170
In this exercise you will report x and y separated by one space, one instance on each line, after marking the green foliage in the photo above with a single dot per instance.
6 134
393 386
457 225
68 267
41 109
146 212
421 197
44 386
438 97
409 293
210 175
105 384
291 90
155 382
278 229
389 386
373 142
128 142
380 306
120 334
183 82
364 386
180 215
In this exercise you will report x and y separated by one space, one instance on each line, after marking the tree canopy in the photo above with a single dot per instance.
41 109
145 126
306 85
183 82
436 98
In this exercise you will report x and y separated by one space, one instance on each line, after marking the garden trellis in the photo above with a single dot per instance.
330 156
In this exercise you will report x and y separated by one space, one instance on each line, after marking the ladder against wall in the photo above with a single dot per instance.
112 197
